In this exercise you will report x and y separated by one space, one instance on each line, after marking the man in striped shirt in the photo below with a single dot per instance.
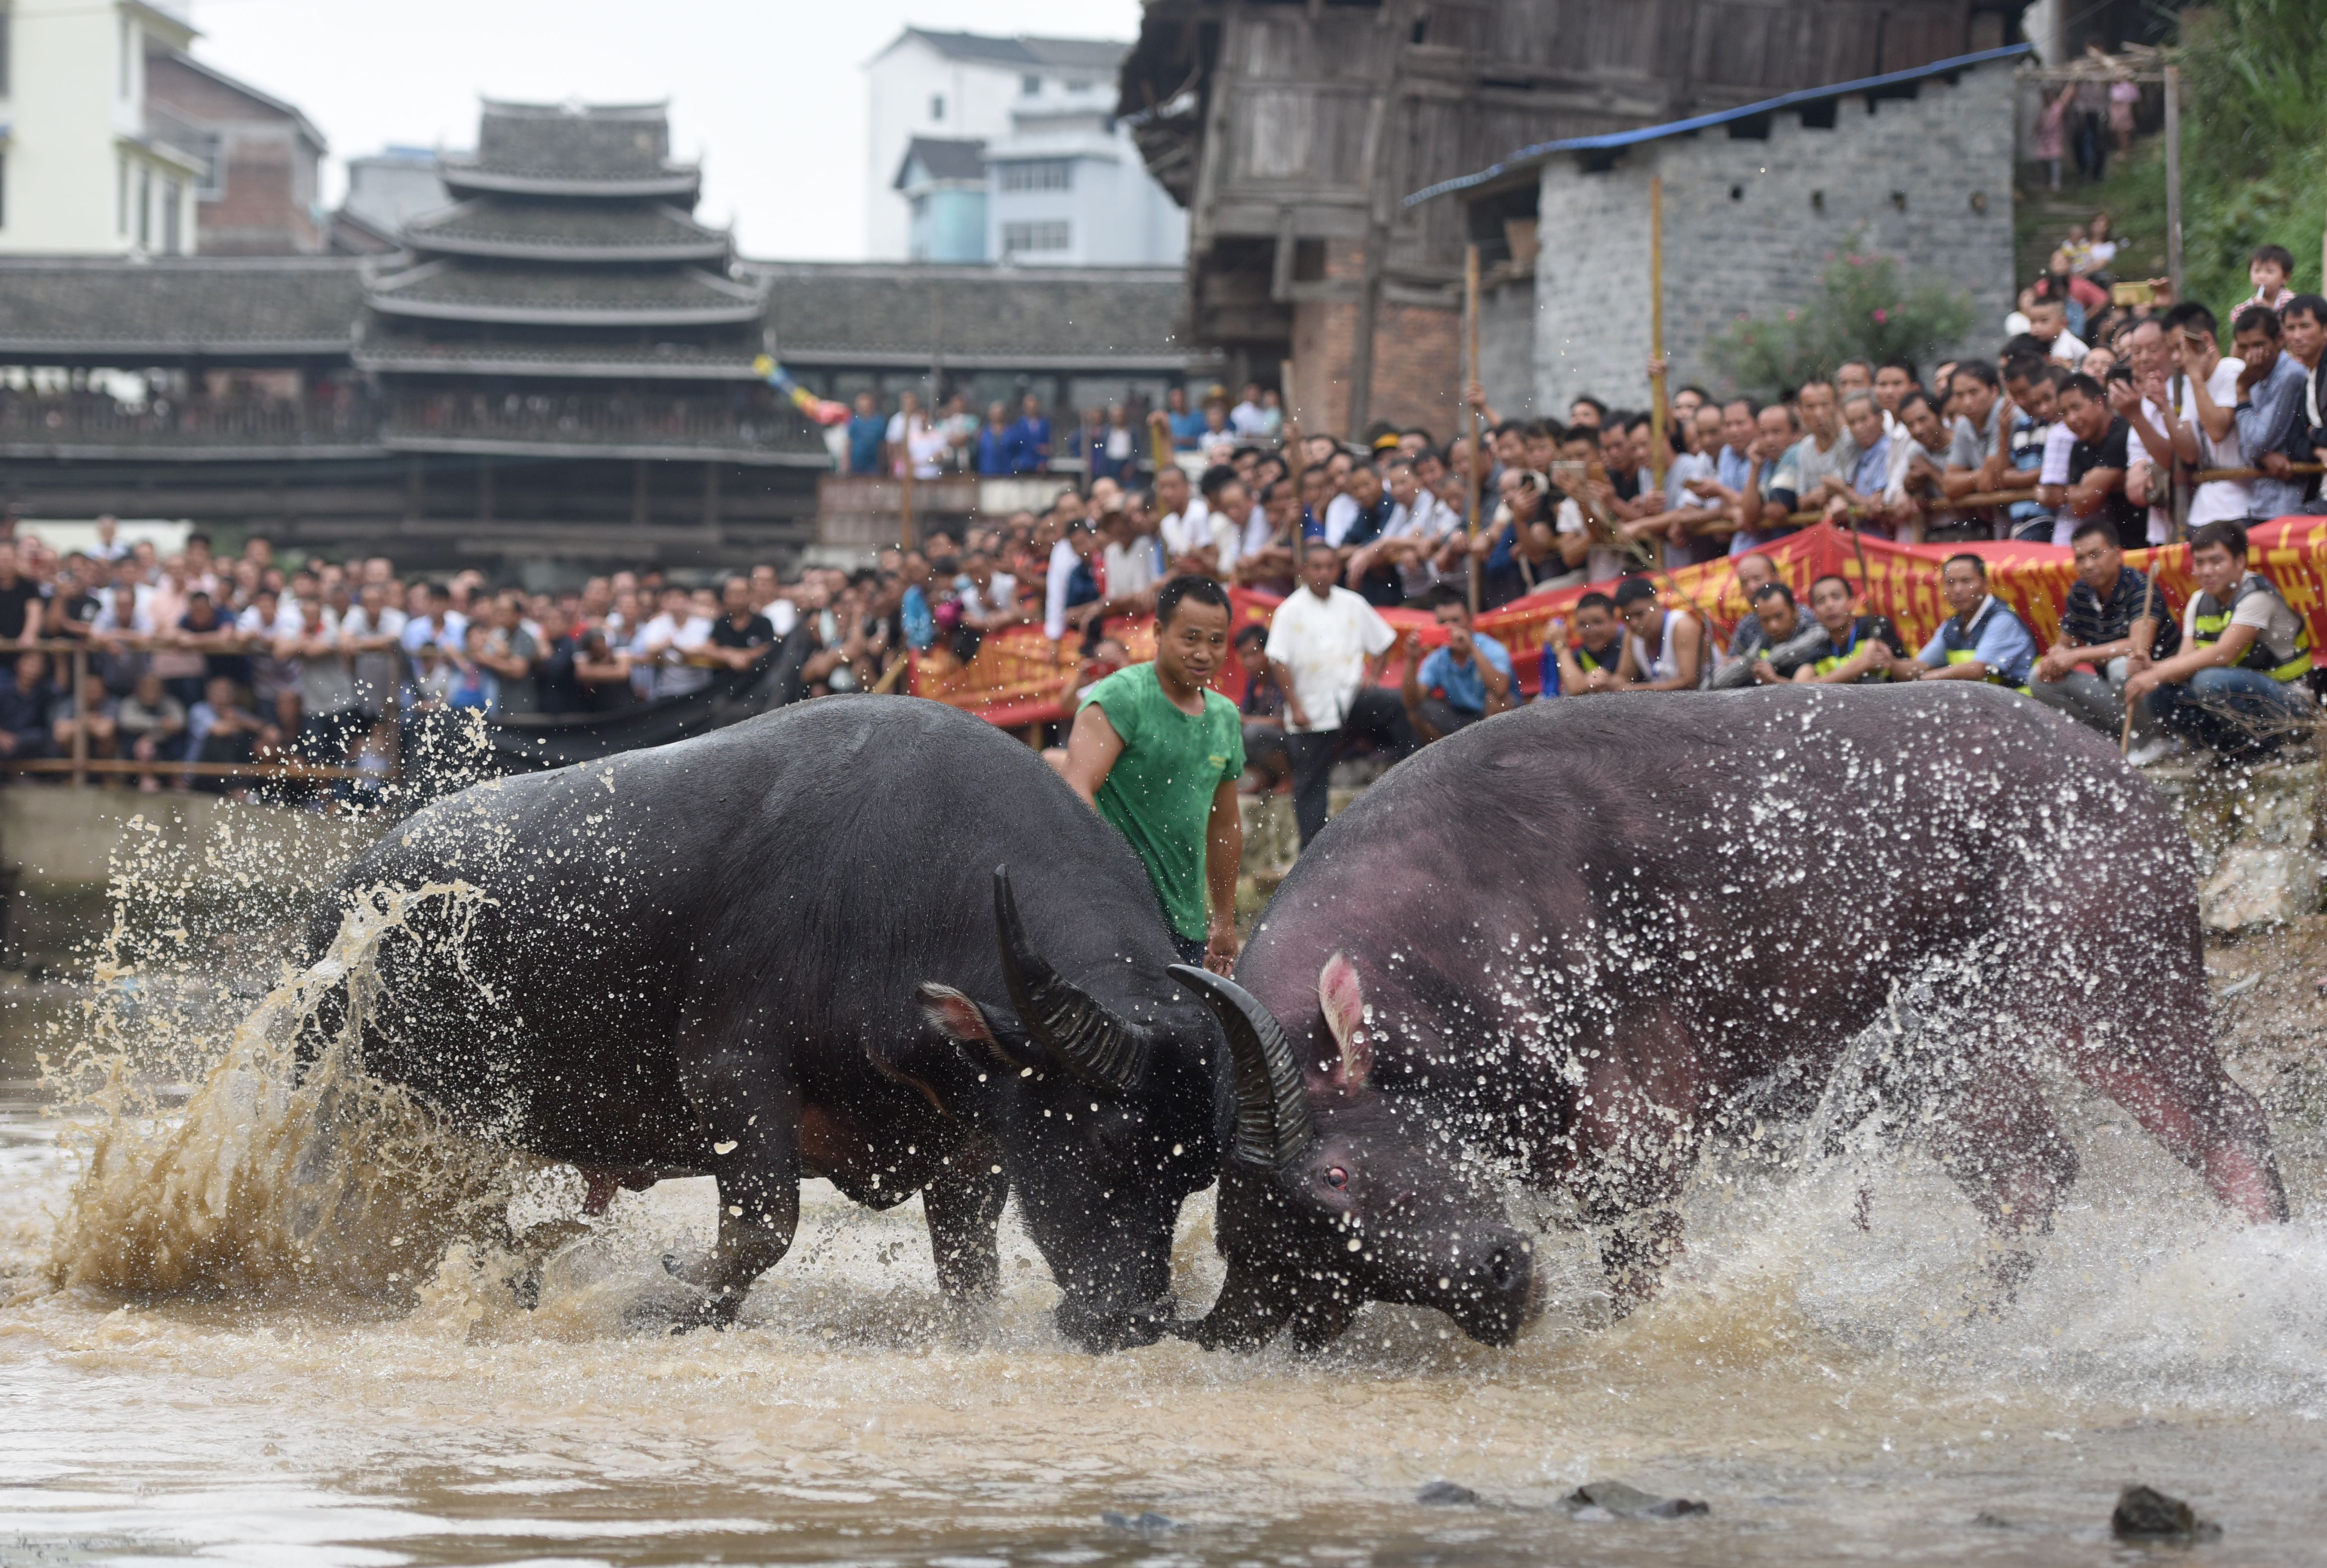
2113 623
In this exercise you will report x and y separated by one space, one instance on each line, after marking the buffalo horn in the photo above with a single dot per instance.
1273 1120
1063 1019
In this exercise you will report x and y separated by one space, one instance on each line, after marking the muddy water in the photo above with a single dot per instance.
1822 1371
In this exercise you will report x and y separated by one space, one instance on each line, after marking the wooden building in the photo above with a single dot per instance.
568 308
1293 132
554 367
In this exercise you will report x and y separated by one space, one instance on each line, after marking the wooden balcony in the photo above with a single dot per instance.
716 428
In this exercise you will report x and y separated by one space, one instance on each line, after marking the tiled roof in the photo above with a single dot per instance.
1612 141
605 140
944 158
1059 54
870 313
577 295
552 149
219 305
509 226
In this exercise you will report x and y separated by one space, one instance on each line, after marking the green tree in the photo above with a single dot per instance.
1862 310
2253 141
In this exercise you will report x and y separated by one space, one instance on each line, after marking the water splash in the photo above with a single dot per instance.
287 1168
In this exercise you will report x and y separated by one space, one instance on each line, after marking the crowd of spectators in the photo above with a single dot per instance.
2071 434
189 657
1123 441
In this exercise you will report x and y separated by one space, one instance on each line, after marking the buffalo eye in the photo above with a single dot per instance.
1336 1178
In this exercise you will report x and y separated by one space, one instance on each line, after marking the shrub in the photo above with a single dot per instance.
1862 311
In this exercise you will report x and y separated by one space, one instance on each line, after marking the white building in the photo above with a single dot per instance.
1067 188
1062 175
87 168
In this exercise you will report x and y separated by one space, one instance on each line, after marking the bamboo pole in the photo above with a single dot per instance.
1657 404
1470 487
2148 603
80 716
905 493
2173 180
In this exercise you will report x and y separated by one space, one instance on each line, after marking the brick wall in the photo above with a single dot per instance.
1750 224
1417 358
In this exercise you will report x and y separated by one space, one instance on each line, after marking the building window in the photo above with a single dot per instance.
1029 86
1038 174
5 40
127 40
1028 238
173 207
210 183
936 105
145 209
120 195
1079 86
4 190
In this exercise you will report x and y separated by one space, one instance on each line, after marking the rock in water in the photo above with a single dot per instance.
2259 884
1446 1495
1147 1523
2144 1515
1624 1502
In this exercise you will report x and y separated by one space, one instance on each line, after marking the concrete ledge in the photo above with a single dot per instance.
230 867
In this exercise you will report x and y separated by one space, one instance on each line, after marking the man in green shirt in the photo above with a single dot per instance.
1158 753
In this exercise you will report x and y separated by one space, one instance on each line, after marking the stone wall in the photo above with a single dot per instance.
247 869
2259 838
1749 225
1507 347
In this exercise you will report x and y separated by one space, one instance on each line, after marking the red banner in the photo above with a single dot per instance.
1022 678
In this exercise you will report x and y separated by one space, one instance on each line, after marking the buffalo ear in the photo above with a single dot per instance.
961 1020
952 1014
1343 1000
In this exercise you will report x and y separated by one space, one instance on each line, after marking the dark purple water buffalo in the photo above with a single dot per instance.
783 950
1577 937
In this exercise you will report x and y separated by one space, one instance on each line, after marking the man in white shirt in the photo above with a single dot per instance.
443 625
1193 539
1130 562
668 639
1326 645
1249 417
1078 546
108 547
770 599
371 634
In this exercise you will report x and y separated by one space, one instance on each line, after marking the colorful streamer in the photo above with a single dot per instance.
821 410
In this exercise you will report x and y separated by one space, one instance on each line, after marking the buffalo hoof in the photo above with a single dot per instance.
1100 1331
714 1304
2004 1274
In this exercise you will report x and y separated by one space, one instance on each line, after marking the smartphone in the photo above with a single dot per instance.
2134 291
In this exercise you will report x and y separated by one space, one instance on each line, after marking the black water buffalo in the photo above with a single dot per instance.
784 950
1578 937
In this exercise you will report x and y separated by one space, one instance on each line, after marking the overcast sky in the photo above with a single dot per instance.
770 94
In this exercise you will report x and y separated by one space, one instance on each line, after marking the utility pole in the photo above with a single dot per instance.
2173 180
